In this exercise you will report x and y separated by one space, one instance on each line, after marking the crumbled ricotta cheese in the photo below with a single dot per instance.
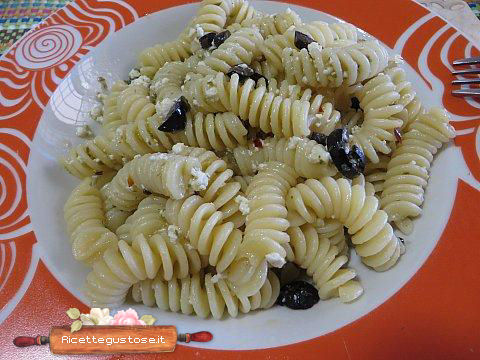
319 155
210 89
275 260
199 31
199 180
173 232
142 81
137 156
158 156
243 204
292 142
84 131
164 106
217 277
134 73
178 148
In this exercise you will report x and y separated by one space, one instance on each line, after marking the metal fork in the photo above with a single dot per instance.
468 71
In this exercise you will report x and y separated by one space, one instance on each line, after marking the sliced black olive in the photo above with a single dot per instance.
176 118
350 162
242 70
398 135
298 295
338 138
245 72
256 76
319 138
206 41
355 103
302 40
220 38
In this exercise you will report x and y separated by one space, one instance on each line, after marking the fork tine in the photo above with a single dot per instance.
467 61
466 81
466 92
466 71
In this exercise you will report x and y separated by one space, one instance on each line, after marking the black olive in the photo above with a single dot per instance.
401 240
302 40
338 138
220 38
355 103
350 162
319 138
298 295
244 72
176 118
256 76
207 40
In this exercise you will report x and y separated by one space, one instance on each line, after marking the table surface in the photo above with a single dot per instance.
17 17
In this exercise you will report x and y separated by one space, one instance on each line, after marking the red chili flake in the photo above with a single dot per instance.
398 135
130 181
258 143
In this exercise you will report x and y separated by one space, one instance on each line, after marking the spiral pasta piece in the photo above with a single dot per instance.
114 217
307 157
205 229
111 113
335 232
376 173
332 67
240 48
368 226
163 174
126 264
274 24
168 80
323 262
407 171
265 227
408 97
92 157
85 217
324 34
146 220
221 189
264 110
379 101
202 295
153 58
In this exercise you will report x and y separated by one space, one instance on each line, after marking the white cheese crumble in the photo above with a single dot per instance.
292 142
217 277
164 106
173 232
305 80
199 31
134 73
397 59
84 132
243 204
319 155
142 81
199 181
178 148
275 260
158 156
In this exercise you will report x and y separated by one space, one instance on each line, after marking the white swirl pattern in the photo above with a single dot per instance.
47 47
